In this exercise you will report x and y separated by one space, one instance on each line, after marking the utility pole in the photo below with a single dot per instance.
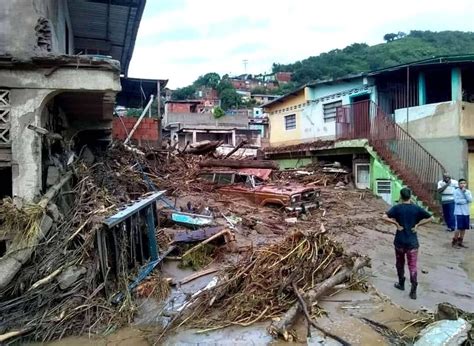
158 96
408 95
245 61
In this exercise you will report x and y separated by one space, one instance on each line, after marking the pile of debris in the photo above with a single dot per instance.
318 174
57 291
266 284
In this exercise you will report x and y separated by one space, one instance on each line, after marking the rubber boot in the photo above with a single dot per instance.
413 290
400 284
460 243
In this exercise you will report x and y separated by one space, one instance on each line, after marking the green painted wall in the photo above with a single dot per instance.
379 170
294 163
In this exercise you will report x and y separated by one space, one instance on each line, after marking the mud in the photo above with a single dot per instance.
354 218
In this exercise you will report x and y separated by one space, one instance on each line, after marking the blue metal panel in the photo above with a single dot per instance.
132 209
150 221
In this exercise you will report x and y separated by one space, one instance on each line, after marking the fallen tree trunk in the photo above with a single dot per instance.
239 163
204 148
281 327
237 147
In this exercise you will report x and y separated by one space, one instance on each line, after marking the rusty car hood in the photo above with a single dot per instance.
272 189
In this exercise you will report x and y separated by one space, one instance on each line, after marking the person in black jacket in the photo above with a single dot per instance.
407 217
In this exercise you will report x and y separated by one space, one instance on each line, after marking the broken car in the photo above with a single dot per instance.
293 197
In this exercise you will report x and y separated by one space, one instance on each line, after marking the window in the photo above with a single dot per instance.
290 122
240 179
223 178
329 111
207 176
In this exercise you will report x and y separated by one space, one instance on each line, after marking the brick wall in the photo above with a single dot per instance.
147 133
179 107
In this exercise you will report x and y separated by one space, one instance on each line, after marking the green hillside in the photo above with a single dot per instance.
359 57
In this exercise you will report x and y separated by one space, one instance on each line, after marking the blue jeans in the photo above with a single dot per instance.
448 214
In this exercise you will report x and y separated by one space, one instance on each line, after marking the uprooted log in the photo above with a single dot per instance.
239 163
204 147
237 147
281 327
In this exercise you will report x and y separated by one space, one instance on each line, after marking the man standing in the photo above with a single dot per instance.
446 188
462 200
407 217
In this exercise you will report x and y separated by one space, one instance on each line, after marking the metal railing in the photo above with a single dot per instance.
406 156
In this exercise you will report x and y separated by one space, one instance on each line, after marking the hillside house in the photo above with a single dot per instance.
420 114
189 122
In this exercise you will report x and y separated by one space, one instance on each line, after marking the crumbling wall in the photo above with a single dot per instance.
32 27
30 91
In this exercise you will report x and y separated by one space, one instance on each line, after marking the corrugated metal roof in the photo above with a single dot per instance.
107 27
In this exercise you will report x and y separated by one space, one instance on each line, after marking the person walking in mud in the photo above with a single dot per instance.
462 200
446 188
407 217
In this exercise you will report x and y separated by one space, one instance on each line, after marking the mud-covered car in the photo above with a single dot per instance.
251 187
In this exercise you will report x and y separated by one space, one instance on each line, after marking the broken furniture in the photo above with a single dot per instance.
128 240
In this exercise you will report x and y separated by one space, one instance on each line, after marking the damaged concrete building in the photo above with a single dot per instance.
60 69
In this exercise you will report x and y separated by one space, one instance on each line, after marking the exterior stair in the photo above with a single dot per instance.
406 157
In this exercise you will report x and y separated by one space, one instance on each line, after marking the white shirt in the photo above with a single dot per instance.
448 194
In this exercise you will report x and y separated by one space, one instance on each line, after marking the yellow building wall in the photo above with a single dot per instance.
470 179
277 112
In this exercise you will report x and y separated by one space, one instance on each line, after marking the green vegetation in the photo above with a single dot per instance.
359 57
399 48
218 112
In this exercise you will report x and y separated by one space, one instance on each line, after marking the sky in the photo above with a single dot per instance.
180 40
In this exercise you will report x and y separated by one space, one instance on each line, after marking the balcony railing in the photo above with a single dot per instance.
407 158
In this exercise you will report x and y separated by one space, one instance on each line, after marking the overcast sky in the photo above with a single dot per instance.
182 39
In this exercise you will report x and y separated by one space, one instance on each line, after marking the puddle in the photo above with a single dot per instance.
122 337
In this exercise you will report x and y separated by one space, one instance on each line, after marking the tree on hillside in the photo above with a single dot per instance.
188 92
230 99
359 57
223 85
210 80
390 37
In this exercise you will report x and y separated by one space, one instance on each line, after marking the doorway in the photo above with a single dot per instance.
6 179
361 115
362 175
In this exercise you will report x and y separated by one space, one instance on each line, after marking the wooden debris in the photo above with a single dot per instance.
230 163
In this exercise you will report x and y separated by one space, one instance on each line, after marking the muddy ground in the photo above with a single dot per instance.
352 217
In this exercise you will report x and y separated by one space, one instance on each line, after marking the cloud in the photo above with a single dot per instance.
182 40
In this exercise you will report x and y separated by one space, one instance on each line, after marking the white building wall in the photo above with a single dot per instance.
312 121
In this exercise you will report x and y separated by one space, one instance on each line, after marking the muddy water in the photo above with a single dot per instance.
122 337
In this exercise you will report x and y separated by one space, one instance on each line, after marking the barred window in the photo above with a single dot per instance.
290 122
329 111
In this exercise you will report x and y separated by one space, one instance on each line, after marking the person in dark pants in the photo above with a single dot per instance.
463 200
407 217
446 188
